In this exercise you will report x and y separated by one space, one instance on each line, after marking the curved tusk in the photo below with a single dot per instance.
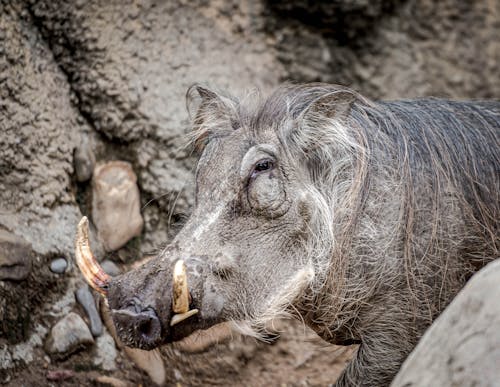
92 272
177 318
180 301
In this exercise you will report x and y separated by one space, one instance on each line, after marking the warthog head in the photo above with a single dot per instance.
260 232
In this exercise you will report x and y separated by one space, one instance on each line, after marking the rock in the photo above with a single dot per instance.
111 268
68 336
86 300
60 375
116 204
111 381
16 256
106 352
462 347
84 160
58 265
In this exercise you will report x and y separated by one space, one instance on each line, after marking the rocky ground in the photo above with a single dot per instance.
92 98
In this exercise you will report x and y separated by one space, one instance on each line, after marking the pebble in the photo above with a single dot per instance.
16 257
106 352
86 300
67 336
116 204
60 375
58 265
111 268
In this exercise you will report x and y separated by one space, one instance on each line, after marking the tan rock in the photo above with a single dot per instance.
202 340
116 204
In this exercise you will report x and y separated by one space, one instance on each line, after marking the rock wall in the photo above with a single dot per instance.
392 49
87 82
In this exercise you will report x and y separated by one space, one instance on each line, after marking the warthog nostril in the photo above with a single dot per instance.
138 329
146 327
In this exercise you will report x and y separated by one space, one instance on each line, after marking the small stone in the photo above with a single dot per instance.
116 204
16 257
86 300
69 335
111 268
60 375
84 160
58 265
106 352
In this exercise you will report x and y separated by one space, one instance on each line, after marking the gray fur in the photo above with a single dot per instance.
373 217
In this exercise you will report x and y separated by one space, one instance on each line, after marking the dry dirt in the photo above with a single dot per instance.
297 358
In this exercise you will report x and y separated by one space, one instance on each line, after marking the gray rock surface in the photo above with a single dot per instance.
392 48
86 300
67 336
130 64
58 265
462 347
38 127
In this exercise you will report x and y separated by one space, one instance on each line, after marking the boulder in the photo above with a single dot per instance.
462 347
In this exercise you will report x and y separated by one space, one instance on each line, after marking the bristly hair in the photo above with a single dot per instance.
405 194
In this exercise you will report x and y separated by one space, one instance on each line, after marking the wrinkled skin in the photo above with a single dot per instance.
250 215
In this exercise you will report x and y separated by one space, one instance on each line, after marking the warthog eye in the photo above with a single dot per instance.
263 165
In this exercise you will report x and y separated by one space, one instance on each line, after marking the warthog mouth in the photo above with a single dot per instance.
97 278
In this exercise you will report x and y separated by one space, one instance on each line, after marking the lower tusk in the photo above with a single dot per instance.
177 318
91 271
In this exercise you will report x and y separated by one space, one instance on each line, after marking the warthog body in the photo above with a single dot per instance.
362 219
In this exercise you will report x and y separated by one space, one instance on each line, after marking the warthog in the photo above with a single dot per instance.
363 219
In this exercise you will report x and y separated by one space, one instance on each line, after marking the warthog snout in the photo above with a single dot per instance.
138 325
145 312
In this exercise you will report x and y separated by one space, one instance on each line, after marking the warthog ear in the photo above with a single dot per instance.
209 111
336 105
